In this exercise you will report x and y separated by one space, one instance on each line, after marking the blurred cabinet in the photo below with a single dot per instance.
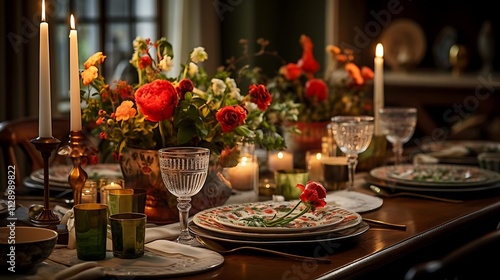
450 107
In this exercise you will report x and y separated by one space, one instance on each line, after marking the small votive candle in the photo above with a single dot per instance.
106 184
314 165
280 161
89 192
245 175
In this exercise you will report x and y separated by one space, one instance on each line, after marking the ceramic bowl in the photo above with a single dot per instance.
489 161
24 247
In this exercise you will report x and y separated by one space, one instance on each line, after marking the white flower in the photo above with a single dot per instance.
166 63
193 69
199 55
136 42
234 91
218 86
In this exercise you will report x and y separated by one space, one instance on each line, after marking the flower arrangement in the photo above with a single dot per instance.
313 196
340 92
190 109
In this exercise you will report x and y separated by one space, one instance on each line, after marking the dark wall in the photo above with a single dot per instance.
279 21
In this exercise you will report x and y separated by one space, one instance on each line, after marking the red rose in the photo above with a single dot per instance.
316 88
145 61
291 71
157 100
186 85
313 194
260 96
231 117
307 62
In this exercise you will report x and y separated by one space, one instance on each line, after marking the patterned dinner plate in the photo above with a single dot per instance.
237 215
436 175
207 220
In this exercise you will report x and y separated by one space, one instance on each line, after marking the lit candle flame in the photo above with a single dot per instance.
280 155
43 10
318 156
72 22
379 51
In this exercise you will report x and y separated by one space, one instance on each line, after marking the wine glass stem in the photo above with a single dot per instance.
184 204
352 161
397 149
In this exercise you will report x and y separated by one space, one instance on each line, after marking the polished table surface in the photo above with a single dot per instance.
379 251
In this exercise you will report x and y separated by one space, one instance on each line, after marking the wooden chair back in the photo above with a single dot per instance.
20 153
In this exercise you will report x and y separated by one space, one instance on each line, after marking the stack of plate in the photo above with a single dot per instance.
435 178
58 175
224 223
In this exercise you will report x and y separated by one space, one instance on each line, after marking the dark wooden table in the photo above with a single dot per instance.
433 228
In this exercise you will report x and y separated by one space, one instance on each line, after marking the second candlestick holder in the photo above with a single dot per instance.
77 149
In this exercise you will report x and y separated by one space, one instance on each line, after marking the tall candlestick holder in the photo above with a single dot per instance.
46 218
77 149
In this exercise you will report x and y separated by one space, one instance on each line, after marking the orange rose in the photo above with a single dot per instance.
367 73
260 96
157 100
94 60
316 89
230 117
125 111
355 74
89 75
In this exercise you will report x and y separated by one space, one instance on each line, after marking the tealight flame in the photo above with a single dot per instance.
72 21
280 155
379 50
318 156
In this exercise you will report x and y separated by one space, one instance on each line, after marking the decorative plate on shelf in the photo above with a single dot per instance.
404 43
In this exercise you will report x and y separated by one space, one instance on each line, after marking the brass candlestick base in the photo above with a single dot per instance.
46 146
76 150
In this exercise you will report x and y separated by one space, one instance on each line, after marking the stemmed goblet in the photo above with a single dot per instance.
352 135
398 125
184 171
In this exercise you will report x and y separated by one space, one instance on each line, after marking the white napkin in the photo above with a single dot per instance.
162 247
81 271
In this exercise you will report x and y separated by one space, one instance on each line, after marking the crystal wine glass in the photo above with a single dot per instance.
184 170
352 135
398 125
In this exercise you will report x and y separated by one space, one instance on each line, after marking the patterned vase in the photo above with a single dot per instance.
141 169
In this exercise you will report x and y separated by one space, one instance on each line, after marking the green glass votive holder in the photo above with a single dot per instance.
128 232
287 180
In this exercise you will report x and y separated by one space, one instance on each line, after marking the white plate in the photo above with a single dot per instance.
58 174
204 219
166 259
354 201
432 175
